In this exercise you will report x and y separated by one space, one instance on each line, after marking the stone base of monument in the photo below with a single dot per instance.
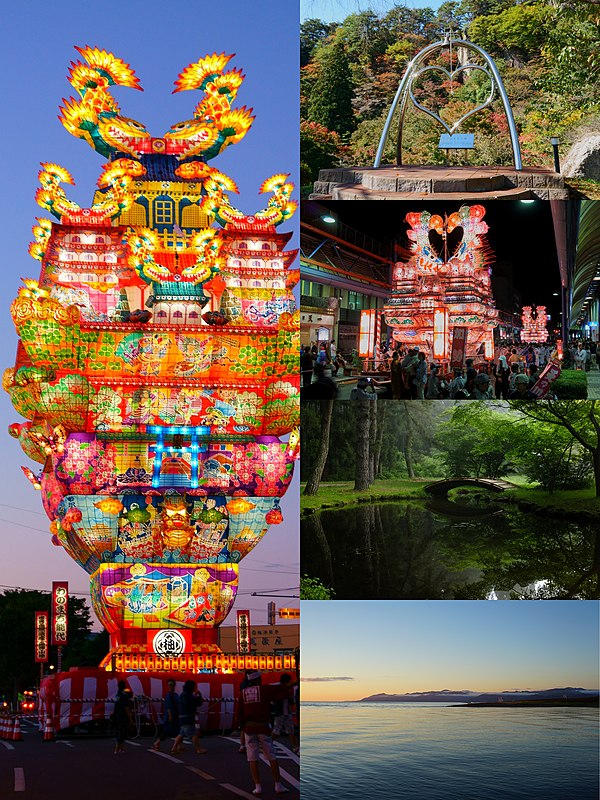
438 182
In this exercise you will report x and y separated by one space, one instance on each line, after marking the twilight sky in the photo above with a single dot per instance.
352 649
158 40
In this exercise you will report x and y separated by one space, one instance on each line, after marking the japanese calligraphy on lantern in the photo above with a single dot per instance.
41 636
60 599
243 632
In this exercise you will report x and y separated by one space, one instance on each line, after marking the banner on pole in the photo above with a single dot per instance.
41 636
243 632
459 347
60 600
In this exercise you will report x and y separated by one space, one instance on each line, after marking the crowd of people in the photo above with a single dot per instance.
263 711
404 372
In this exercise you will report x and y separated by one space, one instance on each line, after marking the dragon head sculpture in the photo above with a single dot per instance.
96 117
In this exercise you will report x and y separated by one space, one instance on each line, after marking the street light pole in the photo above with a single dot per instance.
555 142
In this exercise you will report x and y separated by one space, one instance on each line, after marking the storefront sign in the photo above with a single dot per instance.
289 613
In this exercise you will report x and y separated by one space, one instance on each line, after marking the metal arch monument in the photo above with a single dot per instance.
156 371
399 180
419 66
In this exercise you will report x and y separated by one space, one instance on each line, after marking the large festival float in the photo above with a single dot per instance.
157 374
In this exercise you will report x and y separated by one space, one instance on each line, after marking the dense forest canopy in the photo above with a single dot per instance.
555 445
547 52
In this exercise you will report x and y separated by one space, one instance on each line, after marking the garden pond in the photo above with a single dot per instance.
440 549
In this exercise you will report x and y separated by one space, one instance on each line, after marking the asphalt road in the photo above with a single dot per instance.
80 768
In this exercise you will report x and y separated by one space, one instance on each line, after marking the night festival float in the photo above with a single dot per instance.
444 285
157 371
533 320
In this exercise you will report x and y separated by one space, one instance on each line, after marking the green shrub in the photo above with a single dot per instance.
313 589
572 385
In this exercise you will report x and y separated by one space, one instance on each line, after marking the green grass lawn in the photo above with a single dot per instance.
575 500
341 493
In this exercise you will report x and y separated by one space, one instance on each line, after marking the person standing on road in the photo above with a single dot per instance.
282 711
243 685
254 712
170 720
189 700
121 715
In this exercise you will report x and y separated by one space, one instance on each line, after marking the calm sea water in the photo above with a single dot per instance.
417 751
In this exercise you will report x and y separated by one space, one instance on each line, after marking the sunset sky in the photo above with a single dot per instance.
158 40
352 649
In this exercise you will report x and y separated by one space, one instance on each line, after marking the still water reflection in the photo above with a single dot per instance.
430 752
442 551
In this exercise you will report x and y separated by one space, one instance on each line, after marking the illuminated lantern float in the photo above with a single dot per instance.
444 284
157 367
534 324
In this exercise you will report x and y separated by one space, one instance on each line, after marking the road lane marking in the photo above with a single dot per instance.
19 779
240 792
165 755
285 775
8 745
135 744
283 752
61 741
204 775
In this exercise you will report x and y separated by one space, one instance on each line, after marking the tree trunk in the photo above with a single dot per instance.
596 457
372 441
381 407
408 441
363 428
312 485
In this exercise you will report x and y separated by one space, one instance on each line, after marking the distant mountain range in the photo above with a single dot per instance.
469 696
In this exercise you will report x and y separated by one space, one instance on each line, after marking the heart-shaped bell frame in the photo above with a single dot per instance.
418 66
451 75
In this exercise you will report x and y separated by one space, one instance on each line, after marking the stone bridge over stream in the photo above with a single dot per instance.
441 488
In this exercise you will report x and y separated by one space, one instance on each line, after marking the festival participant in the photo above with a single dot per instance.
482 389
254 713
306 366
533 375
409 367
283 721
521 390
502 377
514 358
122 715
364 390
420 378
189 701
396 376
432 391
457 385
170 720
470 376
580 356
323 388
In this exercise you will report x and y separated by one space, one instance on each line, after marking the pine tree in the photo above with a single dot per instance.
330 101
